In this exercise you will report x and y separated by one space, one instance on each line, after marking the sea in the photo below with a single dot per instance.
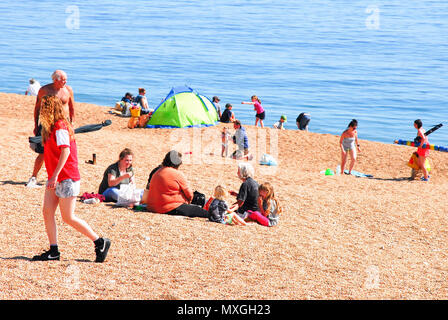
384 63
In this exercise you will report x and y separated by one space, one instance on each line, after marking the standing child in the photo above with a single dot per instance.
61 162
349 144
219 210
269 207
225 137
258 108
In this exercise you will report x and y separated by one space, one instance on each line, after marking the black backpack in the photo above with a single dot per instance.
198 199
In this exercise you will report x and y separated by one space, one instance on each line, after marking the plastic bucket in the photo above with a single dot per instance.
135 112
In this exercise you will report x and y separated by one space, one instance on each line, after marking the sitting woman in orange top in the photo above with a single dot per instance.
169 191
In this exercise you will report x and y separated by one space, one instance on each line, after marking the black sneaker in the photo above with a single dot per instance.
101 250
47 256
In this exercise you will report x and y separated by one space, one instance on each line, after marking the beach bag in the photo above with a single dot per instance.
128 195
92 195
132 123
143 120
268 160
198 199
209 202
413 163
37 147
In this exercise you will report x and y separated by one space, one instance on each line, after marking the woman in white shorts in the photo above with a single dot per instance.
63 185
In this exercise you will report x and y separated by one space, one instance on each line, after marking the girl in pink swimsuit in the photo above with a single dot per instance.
258 108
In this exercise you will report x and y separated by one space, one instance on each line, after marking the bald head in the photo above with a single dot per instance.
58 75
59 79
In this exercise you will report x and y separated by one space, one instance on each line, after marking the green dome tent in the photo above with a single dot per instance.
183 108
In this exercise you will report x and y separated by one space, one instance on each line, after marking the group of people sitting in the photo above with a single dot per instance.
140 100
167 191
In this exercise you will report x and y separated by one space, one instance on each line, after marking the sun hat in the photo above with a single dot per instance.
283 117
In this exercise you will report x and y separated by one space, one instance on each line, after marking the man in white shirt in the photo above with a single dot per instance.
33 88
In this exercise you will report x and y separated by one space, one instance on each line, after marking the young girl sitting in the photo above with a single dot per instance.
269 207
219 210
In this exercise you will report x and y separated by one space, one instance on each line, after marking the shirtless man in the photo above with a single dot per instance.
60 89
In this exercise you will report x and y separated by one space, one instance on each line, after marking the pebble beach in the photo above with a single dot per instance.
339 236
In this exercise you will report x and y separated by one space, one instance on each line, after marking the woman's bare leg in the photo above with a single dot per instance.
352 161
343 161
67 207
421 164
49 208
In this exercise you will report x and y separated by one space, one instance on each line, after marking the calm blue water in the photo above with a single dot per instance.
332 58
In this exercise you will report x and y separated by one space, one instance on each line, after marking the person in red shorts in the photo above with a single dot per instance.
63 185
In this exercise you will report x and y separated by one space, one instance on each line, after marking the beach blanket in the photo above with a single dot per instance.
355 173
82 129
359 174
